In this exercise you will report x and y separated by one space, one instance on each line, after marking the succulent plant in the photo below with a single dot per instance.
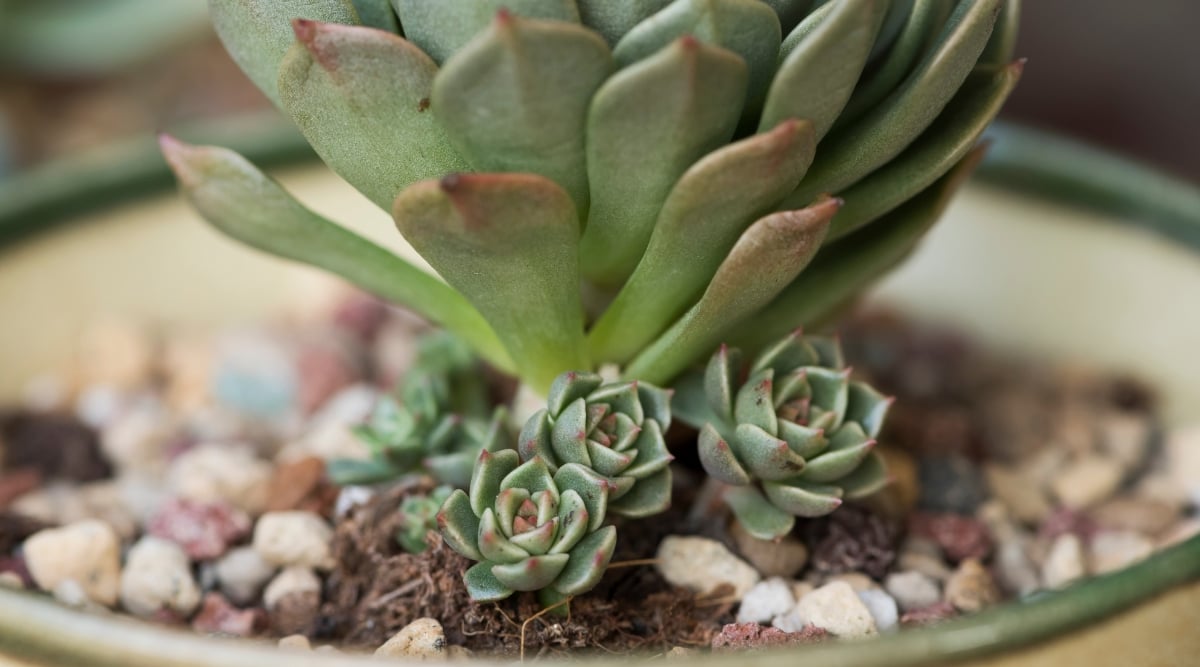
669 156
615 429
418 516
530 530
791 433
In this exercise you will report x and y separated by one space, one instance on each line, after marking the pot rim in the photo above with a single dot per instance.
36 627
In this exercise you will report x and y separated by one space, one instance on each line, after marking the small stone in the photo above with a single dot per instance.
295 643
204 530
1015 571
137 439
295 613
882 607
924 556
971 587
293 482
11 580
214 472
1144 515
187 368
853 539
294 538
837 609
1064 521
749 636
1179 533
16 483
290 580
678 652
959 536
241 574
857 580
218 617
1111 550
782 558
913 590
950 484
1065 562
766 600
1183 461
1022 494
934 613
56 446
349 498
158 576
1087 481
421 640
327 442
701 565
802 588
253 374
87 552
1126 437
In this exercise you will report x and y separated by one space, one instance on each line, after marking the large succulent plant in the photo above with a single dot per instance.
670 156
529 529
790 432
615 429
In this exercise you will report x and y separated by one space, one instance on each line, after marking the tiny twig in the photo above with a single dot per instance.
636 561
395 593
556 605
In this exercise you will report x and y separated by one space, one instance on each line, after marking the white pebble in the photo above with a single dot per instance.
1112 550
294 538
913 590
158 576
837 609
1087 481
1064 563
350 497
290 580
87 552
214 472
882 607
701 565
766 600
295 643
421 640
241 574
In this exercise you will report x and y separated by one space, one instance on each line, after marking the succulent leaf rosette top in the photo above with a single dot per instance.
599 182
791 433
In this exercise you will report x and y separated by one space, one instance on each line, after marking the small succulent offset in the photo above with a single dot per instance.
530 530
791 432
615 429
603 182
418 515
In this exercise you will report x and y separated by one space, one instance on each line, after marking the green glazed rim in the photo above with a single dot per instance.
37 628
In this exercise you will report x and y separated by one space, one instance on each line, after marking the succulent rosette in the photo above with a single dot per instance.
418 516
530 529
791 433
615 429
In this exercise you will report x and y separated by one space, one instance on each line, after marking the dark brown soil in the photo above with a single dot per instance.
56 446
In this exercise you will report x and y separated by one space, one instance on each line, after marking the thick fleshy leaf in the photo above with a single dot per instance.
459 525
701 220
239 200
651 495
753 404
746 27
568 438
507 504
764 455
802 499
515 99
533 476
377 14
765 260
531 574
834 465
720 381
535 438
607 461
1000 48
930 156
652 452
483 586
258 33
442 27
494 545
572 521
656 403
361 98
893 23
821 62
857 150
790 12
805 441
569 386
757 515
830 391
622 397
847 267
867 408
453 469
509 243
718 459
869 477
647 124
587 563
613 19
491 470
591 487
790 353
537 541
344 472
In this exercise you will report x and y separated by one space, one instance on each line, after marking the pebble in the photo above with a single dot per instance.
929 615
1087 481
97 405
218 617
326 442
241 574
137 439
86 552
782 558
766 600
292 600
16 483
1015 571
187 367
748 636
701 565
1111 550
1180 532
1126 437
158 576
900 496
1020 492
204 530
950 484
838 610
678 652
11 580
971 587
913 590
882 607
857 580
216 472
350 497
253 374
1183 461
924 556
1065 562
960 537
295 643
293 482
294 538
1145 515
290 580
421 640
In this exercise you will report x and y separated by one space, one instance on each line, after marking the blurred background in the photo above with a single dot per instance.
75 74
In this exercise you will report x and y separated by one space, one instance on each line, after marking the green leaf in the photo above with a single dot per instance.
494 545
867 408
701 220
508 503
607 461
509 243
483 586
442 27
830 391
459 525
587 563
515 99
572 520
652 453
344 472
361 96
766 456
790 353
492 469
647 124
651 495
537 541
377 14
258 33
868 478
533 476
453 469
656 403
768 256
568 438
754 405
847 267
757 515
534 573
239 200
821 63
535 439
790 12
834 465
933 154
590 486
1003 43
613 19
569 386
806 442
720 381
718 459
746 27
802 499
855 151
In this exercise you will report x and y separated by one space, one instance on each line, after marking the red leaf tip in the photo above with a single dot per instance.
305 29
